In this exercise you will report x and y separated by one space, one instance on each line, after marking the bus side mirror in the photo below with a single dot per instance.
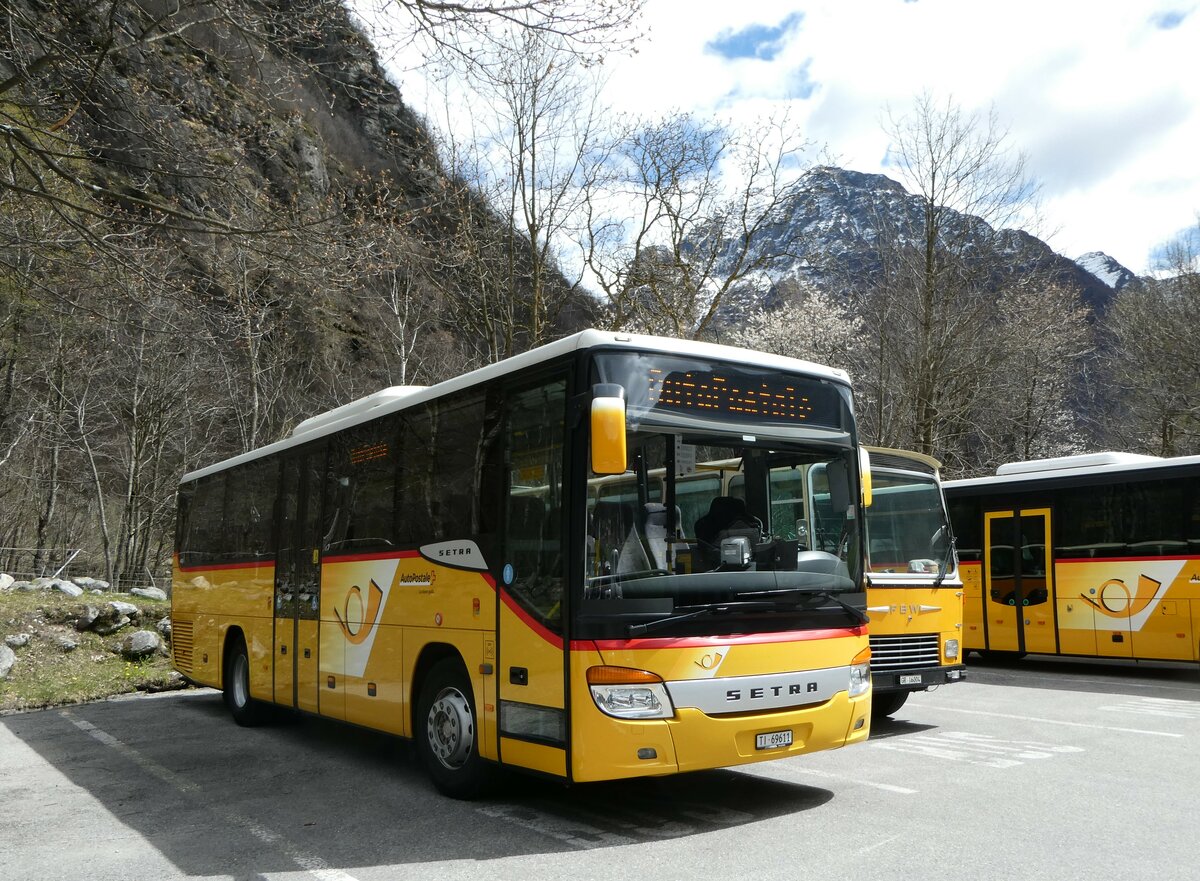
608 429
864 470
838 474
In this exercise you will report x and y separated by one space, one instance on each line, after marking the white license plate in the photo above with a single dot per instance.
773 740
914 679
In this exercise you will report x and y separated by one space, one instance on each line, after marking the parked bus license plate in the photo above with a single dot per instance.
773 740
914 679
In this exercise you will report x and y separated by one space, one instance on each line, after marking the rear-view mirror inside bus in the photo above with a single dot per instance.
839 485
608 429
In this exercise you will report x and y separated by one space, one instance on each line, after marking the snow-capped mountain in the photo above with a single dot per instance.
1106 269
828 232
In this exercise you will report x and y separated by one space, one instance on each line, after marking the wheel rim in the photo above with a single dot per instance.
240 684
450 728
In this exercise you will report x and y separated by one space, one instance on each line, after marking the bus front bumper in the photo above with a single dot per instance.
918 680
692 741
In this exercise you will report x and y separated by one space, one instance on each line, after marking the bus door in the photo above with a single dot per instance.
1018 576
298 580
530 668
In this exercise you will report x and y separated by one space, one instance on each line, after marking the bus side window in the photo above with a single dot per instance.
204 542
360 492
249 512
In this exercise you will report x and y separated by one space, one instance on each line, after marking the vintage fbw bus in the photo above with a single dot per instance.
441 563
914 593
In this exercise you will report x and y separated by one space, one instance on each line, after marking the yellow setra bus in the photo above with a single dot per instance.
1095 555
439 563
914 593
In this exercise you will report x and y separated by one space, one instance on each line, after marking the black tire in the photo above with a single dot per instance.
447 734
246 711
888 702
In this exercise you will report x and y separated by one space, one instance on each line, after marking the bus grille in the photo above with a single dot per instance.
182 644
917 651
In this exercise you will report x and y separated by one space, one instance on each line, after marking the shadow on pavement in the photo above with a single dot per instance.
1162 679
216 799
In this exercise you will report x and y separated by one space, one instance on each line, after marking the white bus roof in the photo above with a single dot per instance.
399 397
1073 466
927 461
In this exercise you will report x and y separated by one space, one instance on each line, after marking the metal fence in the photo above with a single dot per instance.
25 564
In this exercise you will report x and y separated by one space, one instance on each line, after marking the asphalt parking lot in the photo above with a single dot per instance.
1031 769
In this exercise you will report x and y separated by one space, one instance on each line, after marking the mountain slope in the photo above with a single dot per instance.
833 229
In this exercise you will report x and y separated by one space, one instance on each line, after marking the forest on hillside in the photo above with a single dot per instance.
219 218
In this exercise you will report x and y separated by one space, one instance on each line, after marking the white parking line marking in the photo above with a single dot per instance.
935 707
975 749
1158 706
789 770
575 826
877 845
314 865
578 835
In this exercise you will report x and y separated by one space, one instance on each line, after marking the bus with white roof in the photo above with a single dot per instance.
439 563
1095 556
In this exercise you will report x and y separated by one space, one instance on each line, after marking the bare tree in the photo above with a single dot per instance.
930 307
1042 337
1154 360
516 163
545 127
676 226
464 32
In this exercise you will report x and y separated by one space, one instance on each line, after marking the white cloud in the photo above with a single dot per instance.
1102 96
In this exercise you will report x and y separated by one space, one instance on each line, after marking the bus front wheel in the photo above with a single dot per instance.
887 703
446 732
244 709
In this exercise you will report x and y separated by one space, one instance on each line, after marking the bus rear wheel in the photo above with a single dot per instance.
447 735
887 703
245 710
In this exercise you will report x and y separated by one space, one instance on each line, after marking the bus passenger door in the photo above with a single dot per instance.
530 587
297 581
308 580
1018 576
284 653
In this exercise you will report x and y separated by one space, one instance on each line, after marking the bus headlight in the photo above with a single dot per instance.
629 694
951 649
860 673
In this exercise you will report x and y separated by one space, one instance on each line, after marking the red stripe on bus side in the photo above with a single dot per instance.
669 642
214 566
380 555
1058 560
530 622
1061 560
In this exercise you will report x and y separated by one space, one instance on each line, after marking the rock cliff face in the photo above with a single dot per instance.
275 104
185 120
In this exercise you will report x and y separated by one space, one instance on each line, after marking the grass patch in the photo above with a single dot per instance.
45 675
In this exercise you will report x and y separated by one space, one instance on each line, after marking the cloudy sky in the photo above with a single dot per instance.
1103 97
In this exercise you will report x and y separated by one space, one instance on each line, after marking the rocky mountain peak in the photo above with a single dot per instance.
1106 269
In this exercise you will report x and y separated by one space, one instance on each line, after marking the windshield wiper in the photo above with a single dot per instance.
944 567
709 609
802 593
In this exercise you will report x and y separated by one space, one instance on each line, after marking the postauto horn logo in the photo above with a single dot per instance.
357 617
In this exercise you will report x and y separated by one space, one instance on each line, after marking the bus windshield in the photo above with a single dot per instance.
712 529
907 529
